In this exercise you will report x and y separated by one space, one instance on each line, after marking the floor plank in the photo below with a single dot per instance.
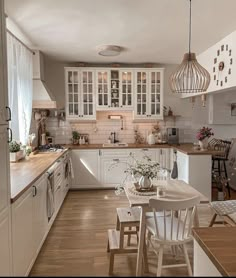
77 242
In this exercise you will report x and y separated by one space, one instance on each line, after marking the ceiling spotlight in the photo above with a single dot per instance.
109 50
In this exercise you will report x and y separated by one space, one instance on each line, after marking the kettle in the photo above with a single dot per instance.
151 139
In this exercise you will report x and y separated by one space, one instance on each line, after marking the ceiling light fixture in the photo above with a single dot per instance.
109 50
190 76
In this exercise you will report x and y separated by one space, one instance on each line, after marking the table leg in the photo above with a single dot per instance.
141 242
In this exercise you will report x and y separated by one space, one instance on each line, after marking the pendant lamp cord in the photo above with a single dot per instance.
190 25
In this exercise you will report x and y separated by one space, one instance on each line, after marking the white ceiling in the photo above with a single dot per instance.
149 30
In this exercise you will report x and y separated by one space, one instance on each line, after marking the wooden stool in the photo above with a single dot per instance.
126 218
226 210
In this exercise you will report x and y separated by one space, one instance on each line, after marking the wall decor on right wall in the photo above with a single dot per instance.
233 109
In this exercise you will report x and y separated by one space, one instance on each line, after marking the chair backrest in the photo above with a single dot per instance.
176 219
221 145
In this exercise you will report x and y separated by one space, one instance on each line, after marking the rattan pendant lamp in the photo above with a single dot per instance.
190 76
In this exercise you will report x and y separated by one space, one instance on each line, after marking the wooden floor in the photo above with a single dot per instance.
76 244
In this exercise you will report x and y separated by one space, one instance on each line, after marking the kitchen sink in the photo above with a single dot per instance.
110 145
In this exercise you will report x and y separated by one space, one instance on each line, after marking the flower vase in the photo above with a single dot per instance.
145 182
203 144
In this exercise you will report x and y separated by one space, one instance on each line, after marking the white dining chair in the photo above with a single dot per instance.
170 225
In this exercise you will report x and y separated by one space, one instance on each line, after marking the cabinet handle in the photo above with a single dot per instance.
67 185
34 190
109 106
9 137
100 152
58 174
145 150
121 106
116 159
9 113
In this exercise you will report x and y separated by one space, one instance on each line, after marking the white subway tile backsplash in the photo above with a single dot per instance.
100 131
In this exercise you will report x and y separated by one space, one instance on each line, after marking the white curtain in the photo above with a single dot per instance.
20 88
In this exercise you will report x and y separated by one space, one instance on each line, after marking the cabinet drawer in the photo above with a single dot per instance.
113 153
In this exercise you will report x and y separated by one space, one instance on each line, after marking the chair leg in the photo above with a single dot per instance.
219 170
226 175
145 258
129 237
159 263
108 246
190 273
213 220
111 264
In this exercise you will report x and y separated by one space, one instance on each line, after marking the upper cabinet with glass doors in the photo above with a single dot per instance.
114 89
149 94
80 99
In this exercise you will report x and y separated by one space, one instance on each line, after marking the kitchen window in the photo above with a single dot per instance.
20 88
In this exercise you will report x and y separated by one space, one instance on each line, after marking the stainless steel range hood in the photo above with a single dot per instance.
42 96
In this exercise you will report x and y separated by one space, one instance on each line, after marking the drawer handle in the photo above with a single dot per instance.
116 159
34 191
9 113
145 150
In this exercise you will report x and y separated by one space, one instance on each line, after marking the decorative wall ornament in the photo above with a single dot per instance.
190 76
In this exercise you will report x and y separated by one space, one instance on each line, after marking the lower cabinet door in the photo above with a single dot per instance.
86 168
5 243
22 228
40 222
113 171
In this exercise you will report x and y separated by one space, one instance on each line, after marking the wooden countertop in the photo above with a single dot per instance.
219 243
186 148
25 172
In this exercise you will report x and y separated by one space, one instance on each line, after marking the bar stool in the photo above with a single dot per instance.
126 218
224 146
226 210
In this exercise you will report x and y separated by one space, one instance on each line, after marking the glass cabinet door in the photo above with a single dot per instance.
126 95
73 100
115 88
103 99
155 93
141 93
87 93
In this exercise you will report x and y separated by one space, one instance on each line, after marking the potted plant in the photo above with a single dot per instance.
16 153
141 171
203 134
75 137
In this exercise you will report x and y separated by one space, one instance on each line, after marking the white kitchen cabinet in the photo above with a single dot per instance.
149 96
114 89
5 209
80 97
3 68
102 89
113 166
196 171
86 168
5 243
29 226
126 89
22 233
40 220
202 265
